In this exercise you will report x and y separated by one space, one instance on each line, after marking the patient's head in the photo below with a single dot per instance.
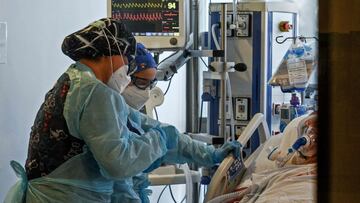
307 153
300 127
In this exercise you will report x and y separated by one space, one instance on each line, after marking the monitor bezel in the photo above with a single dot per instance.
163 42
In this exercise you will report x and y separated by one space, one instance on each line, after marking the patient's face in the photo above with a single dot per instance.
309 152
312 130
312 123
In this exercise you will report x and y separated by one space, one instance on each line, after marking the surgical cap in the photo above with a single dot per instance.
101 38
143 59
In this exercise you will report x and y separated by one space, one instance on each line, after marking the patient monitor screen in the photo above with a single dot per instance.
148 18
151 20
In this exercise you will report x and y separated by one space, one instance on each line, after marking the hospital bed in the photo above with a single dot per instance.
257 179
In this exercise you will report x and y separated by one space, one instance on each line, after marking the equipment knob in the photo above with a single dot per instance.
173 41
241 67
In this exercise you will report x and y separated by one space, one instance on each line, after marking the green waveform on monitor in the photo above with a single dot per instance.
136 5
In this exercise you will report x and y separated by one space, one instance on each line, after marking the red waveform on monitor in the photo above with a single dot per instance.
138 16
170 14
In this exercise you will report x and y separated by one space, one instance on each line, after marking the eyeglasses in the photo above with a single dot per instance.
143 83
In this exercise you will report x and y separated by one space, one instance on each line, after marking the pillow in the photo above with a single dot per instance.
291 134
258 161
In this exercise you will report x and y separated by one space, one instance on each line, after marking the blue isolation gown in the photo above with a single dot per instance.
110 167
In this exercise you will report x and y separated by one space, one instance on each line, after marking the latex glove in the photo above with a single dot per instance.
233 147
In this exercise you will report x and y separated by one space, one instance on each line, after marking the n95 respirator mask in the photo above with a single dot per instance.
135 97
119 80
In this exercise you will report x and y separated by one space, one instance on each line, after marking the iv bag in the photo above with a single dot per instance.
295 68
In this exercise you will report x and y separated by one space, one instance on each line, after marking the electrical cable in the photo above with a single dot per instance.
201 112
172 195
167 89
211 68
189 182
156 114
213 34
204 62
162 191
183 199
231 109
167 57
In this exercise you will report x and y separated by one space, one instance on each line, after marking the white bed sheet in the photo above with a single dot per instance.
265 182
293 183
272 184
258 160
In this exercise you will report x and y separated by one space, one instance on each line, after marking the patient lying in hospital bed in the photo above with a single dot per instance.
283 169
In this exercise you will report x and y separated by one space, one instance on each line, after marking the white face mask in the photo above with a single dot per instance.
119 79
135 97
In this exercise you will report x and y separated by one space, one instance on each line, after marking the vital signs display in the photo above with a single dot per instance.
156 23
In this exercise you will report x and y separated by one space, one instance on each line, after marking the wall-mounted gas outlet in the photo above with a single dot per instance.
243 25
242 108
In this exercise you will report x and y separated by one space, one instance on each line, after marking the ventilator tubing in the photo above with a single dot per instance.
189 186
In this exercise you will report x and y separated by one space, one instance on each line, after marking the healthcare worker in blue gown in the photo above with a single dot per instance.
87 144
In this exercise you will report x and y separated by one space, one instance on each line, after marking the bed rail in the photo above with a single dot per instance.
257 122
230 171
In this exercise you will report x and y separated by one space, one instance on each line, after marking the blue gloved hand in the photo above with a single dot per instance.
233 147
143 58
141 184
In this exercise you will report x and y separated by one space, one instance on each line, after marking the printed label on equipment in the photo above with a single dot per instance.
236 168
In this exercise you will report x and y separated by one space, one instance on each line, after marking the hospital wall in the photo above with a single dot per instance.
35 30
